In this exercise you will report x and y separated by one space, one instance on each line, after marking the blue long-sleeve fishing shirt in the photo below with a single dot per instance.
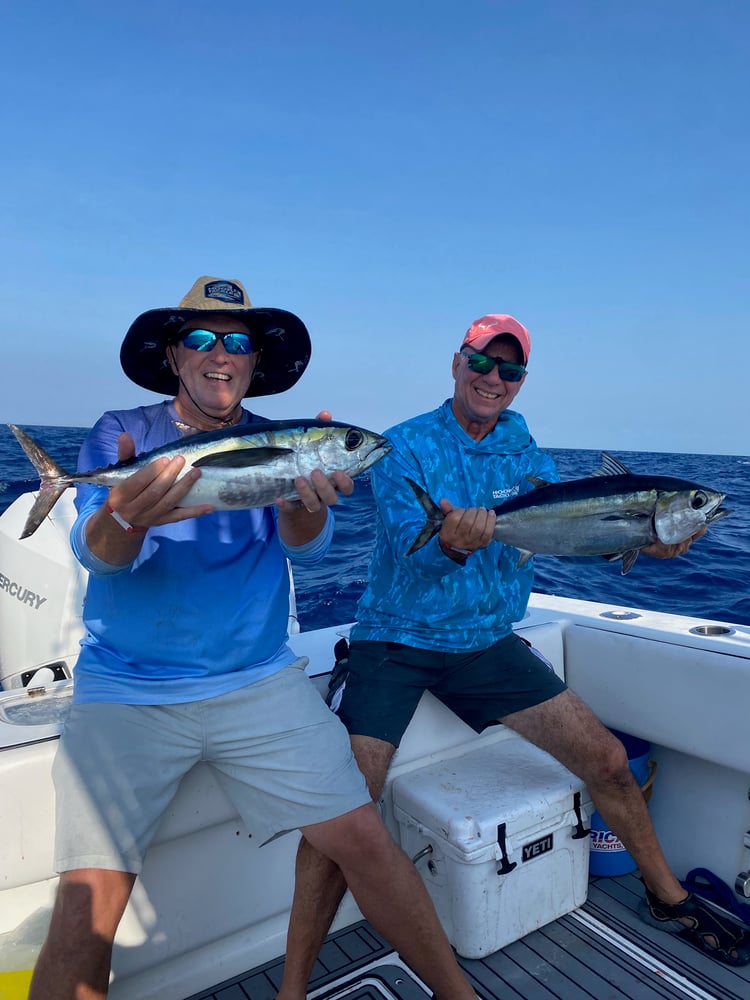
204 607
426 599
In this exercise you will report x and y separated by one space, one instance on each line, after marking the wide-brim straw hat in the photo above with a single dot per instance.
281 336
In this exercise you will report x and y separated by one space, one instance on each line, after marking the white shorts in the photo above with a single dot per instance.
118 767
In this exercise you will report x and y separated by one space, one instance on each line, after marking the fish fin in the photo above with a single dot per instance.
435 517
45 465
628 557
523 558
628 560
611 466
538 483
627 516
54 480
240 458
46 499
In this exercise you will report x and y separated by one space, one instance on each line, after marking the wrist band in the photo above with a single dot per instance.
452 548
122 522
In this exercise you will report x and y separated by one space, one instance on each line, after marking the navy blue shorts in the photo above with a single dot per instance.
387 679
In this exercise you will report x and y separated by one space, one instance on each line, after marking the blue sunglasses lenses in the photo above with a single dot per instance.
206 340
484 364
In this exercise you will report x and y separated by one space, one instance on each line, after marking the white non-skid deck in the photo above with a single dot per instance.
602 951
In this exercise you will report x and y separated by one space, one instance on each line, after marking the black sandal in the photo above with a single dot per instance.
711 931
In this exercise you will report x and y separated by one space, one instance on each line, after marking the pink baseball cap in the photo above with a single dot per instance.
486 328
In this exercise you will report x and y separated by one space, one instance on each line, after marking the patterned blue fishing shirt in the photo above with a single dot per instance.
426 599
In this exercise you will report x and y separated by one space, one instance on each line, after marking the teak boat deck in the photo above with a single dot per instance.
602 951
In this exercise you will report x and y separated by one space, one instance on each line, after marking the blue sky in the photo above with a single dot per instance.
390 171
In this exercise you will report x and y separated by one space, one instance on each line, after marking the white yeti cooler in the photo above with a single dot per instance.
501 838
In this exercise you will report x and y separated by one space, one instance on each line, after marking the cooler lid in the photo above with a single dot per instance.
465 799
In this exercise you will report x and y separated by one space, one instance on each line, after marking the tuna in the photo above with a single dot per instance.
248 465
612 513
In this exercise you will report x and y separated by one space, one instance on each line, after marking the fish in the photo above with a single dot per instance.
612 513
248 465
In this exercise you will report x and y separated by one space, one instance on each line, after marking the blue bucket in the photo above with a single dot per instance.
607 855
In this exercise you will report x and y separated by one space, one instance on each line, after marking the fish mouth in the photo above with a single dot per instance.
377 450
381 447
718 513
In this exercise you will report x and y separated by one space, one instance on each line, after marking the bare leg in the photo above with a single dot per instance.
319 888
402 912
319 885
392 896
74 963
566 727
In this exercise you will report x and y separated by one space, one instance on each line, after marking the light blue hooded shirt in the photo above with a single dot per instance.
426 599
204 607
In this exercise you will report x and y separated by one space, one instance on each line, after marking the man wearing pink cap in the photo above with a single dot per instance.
440 619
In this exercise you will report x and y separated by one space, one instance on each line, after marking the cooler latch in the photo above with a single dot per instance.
580 830
505 865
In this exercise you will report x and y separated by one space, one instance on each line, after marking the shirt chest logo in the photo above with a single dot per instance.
505 494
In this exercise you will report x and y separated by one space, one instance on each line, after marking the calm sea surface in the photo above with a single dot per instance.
711 581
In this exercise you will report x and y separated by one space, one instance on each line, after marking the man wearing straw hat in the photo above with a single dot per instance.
186 659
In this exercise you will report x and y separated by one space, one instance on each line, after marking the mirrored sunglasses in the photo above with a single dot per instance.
206 340
483 364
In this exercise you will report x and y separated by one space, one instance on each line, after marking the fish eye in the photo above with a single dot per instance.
699 500
353 440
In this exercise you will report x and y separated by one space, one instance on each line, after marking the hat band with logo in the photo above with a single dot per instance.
282 338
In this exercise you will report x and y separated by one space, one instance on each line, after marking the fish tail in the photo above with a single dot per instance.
54 480
45 501
435 517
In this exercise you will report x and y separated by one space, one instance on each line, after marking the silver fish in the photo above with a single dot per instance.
612 513
248 465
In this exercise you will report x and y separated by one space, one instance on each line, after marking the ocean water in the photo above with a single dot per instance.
712 581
